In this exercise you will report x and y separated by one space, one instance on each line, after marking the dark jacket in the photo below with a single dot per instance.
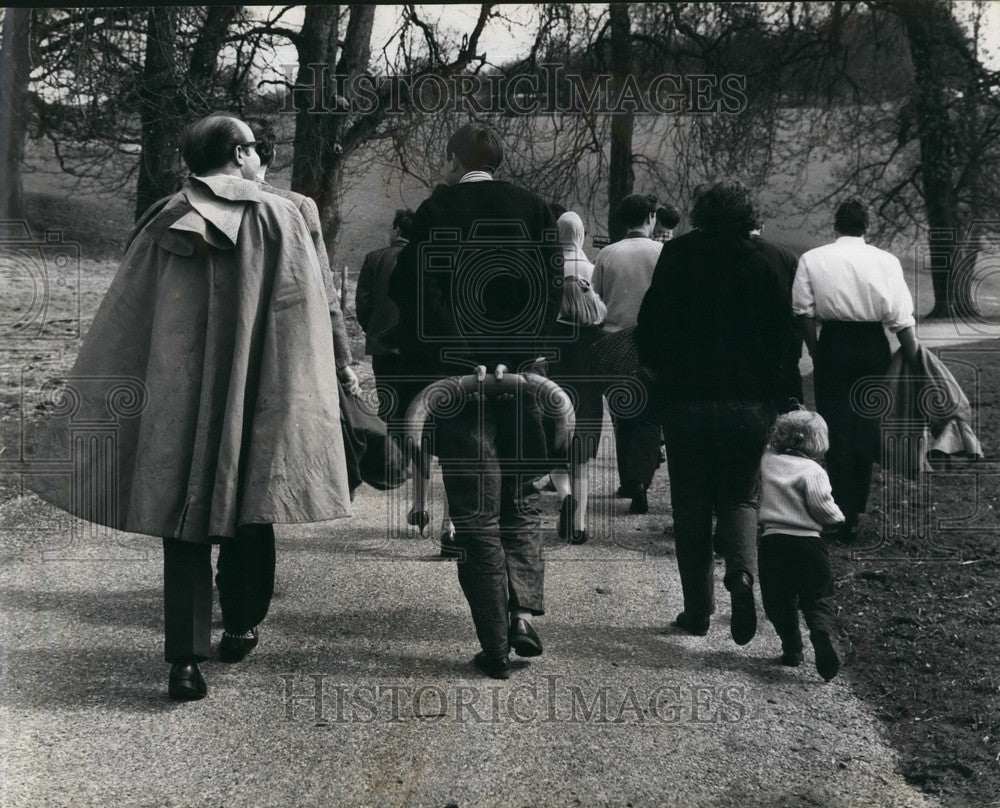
377 314
716 323
788 260
480 281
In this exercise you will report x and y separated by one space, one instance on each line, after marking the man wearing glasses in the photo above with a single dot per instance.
219 315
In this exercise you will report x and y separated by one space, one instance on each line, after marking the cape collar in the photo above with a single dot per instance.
217 206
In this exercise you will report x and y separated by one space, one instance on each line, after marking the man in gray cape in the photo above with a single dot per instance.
212 349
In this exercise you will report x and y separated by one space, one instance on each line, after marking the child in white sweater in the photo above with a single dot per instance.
794 564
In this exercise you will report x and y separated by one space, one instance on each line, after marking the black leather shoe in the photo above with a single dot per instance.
640 503
566 511
693 625
579 537
791 658
743 624
419 519
234 647
523 639
827 661
495 668
186 682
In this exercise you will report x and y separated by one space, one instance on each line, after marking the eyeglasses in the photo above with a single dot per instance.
252 144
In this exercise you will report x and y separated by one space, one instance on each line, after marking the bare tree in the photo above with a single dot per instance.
15 72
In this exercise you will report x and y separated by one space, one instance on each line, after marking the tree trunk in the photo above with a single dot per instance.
159 167
620 173
205 58
924 22
15 72
318 163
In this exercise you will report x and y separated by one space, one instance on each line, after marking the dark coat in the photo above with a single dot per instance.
788 260
717 323
204 390
377 314
480 281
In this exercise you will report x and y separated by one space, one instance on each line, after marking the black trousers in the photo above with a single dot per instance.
795 575
713 456
637 448
846 353
245 579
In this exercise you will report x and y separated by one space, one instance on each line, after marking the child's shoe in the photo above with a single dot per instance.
827 661
791 656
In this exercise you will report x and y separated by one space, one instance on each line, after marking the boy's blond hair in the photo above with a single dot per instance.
800 432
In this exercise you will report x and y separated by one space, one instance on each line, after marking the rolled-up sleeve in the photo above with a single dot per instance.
803 300
899 305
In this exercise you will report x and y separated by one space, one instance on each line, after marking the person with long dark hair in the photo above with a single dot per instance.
712 333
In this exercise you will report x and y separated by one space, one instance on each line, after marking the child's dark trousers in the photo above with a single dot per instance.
794 573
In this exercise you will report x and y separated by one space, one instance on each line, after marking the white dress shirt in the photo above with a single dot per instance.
476 176
850 280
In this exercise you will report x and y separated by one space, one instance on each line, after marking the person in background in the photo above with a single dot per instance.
712 333
667 219
268 150
377 316
854 291
796 503
622 274
580 316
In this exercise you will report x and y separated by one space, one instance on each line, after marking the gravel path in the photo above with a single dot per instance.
618 711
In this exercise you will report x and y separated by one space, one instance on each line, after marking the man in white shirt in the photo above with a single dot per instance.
622 274
855 291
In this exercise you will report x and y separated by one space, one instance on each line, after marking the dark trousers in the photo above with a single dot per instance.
245 580
397 388
496 527
795 575
846 353
637 448
714 450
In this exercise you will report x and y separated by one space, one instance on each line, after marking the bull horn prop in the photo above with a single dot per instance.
447 396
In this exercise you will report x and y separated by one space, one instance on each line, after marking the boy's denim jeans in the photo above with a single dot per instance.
714 450
484 465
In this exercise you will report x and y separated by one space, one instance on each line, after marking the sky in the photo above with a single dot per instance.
503 40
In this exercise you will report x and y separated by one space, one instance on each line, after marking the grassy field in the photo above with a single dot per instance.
919 612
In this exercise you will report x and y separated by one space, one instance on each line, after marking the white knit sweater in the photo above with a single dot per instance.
795 497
